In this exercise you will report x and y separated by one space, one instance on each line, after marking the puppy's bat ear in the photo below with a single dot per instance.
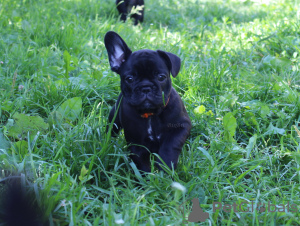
173 62
117 49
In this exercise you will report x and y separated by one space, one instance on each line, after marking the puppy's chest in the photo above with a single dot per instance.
153 130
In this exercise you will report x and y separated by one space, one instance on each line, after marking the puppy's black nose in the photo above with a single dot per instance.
146 90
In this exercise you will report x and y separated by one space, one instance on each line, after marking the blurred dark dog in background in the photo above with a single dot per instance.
125 6
19 205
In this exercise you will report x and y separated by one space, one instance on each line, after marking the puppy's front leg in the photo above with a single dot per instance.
141 157
172 147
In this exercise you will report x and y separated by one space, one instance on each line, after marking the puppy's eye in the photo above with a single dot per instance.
161 77
129 79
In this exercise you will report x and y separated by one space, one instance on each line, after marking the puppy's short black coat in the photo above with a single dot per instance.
124 7
150 111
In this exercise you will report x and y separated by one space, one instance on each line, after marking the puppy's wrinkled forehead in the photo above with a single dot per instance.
147 62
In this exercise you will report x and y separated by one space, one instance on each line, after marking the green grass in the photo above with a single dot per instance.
240 60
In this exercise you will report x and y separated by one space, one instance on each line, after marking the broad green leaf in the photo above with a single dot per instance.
10 123
229 123
272 130
251 104
250 146
67 65
83 173
67 58
79 82
228 100
280 62
250 119
264 110
71 108
22 147
4 144
24 124
277 63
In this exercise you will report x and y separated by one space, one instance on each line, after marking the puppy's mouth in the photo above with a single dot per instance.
147 106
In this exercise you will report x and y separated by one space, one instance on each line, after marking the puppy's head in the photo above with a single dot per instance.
145 74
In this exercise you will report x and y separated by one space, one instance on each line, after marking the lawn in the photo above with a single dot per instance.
240 83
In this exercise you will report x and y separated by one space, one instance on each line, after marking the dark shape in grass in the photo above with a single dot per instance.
18 205
125 6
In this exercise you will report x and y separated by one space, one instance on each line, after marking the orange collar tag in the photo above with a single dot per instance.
146 115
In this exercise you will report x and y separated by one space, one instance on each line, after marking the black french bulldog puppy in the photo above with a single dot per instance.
124 7
150 111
